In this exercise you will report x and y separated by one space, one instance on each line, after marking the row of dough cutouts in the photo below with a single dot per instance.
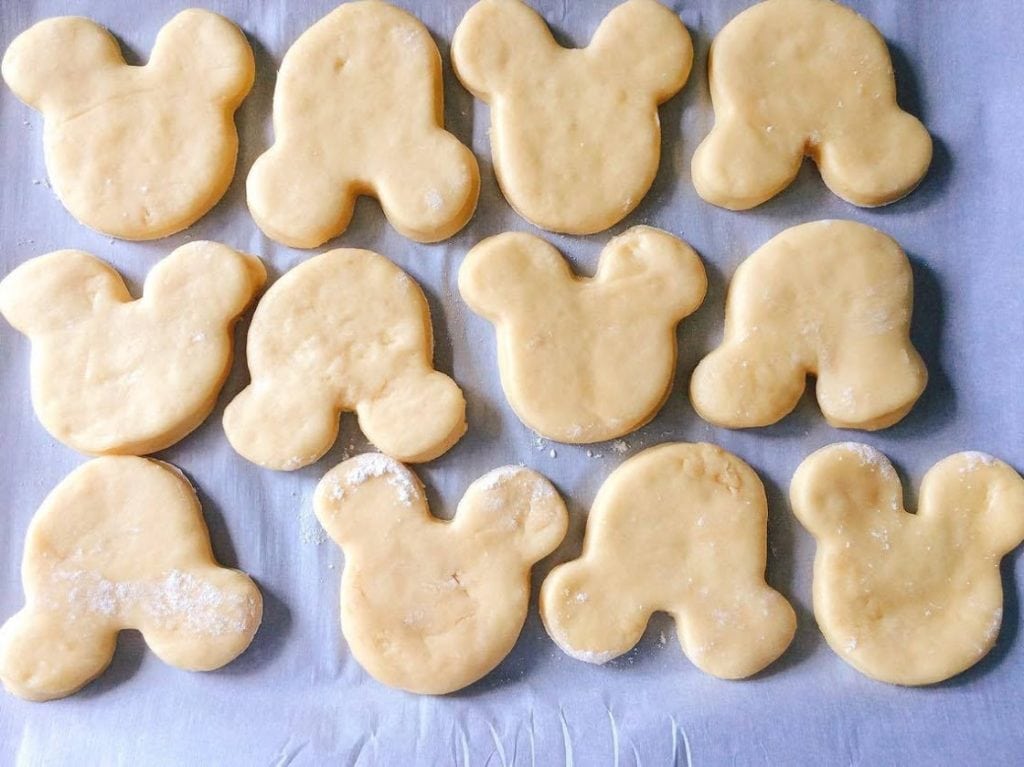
431 606
140 152
581 360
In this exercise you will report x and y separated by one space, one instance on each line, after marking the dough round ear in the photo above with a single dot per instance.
837 485
647 45
50 292
485 47
207 51
52 65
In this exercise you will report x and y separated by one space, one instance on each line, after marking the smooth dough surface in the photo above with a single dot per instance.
796 78
358 109
427 605
575 136
908 598
121 544
136 152
113 375
828 298
344 331
585 359
679 528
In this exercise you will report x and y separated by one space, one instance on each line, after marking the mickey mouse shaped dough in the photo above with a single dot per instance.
346 330
829 298
796 78
575 136
680 528
585 360
358 110
116 375
121 544
908 598
136 152
427 605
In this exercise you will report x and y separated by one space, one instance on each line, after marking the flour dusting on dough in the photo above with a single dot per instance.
975 460
373 465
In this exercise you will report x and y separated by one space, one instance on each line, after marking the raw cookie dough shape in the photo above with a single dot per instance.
358 111
344 331
427 605
795 78
908 598
679 528
829 298
137 152
585 360
121 544
112 375
575 136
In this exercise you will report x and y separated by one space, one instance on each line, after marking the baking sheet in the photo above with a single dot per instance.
298 697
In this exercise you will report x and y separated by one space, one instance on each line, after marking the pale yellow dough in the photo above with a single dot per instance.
796 78
136 152
831 299
427 605
121 544
358 109
344 331
679 528
575 136
585 359
908 598
113 375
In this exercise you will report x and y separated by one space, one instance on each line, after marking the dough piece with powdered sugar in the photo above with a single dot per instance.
907 598
121 544
828 298
427 605
679 528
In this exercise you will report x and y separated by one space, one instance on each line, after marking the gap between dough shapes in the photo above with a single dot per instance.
113 375
344 331
679 528
796 78
427 605
136 152
585 359
828 298
904 598
119 544
575 135
358 110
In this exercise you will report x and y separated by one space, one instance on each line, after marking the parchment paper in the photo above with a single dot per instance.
298 697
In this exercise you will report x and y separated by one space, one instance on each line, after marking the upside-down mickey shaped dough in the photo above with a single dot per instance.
136 152
585 360
344 331
427 605
121 544
680 528
829 298
112 375
795 78
358 110
575 135
908 598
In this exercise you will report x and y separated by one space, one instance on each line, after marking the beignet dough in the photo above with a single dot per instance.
828 298
113 375
796 78
136 152
344 331
679 528
908 598
575 136
121 544
427 605
585 359
358 110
